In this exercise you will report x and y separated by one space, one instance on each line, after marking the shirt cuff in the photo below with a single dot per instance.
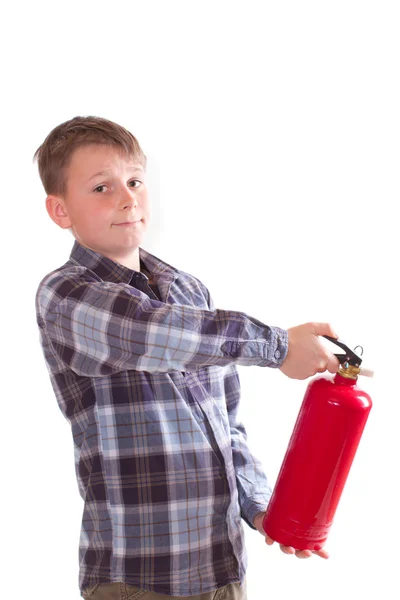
251 507
268 352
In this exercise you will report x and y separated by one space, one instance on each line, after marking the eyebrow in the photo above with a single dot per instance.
106 171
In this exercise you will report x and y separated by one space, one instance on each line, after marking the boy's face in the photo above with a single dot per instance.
96 204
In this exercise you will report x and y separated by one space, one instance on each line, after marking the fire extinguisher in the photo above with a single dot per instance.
318 458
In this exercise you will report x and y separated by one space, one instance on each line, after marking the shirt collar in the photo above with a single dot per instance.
109 270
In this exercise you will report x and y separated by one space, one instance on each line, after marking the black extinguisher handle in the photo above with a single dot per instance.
350 356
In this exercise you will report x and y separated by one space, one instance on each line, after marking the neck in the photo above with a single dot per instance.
132 260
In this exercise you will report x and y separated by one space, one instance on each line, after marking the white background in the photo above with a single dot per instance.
272 136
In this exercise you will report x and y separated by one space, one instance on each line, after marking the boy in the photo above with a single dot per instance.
144 369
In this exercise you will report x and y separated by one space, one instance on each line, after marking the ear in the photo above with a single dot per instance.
57 210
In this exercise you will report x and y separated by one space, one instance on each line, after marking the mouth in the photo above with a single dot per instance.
128 223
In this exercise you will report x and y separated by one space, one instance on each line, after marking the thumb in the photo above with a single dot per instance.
325 329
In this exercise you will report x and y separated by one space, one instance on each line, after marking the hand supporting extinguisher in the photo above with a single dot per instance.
318 458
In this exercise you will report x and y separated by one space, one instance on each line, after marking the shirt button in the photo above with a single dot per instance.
277 354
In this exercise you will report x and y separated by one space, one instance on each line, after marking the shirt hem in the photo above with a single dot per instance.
166 589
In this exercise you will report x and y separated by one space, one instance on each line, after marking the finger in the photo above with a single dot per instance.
303 553
333 364
324 329
268 540
322 553
287 549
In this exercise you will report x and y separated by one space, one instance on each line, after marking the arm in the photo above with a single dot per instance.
98 328
253 487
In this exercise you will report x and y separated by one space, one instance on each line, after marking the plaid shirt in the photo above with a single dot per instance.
151 390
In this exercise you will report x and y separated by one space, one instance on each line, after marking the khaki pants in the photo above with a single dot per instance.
124 591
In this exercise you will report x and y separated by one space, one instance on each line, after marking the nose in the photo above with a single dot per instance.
127 198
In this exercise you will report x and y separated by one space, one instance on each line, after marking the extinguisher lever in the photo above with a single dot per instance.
349 357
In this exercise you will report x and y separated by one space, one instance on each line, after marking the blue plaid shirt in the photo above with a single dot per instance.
147 379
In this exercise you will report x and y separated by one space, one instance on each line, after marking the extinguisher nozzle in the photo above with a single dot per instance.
366 372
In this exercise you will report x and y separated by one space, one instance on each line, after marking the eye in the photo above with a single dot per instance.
135 181
99 187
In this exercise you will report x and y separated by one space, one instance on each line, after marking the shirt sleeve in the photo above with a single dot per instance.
99 328
253 486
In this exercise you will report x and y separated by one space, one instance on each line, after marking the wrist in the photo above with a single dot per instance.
258 517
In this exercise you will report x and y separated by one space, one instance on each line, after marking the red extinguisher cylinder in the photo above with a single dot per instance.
314 470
